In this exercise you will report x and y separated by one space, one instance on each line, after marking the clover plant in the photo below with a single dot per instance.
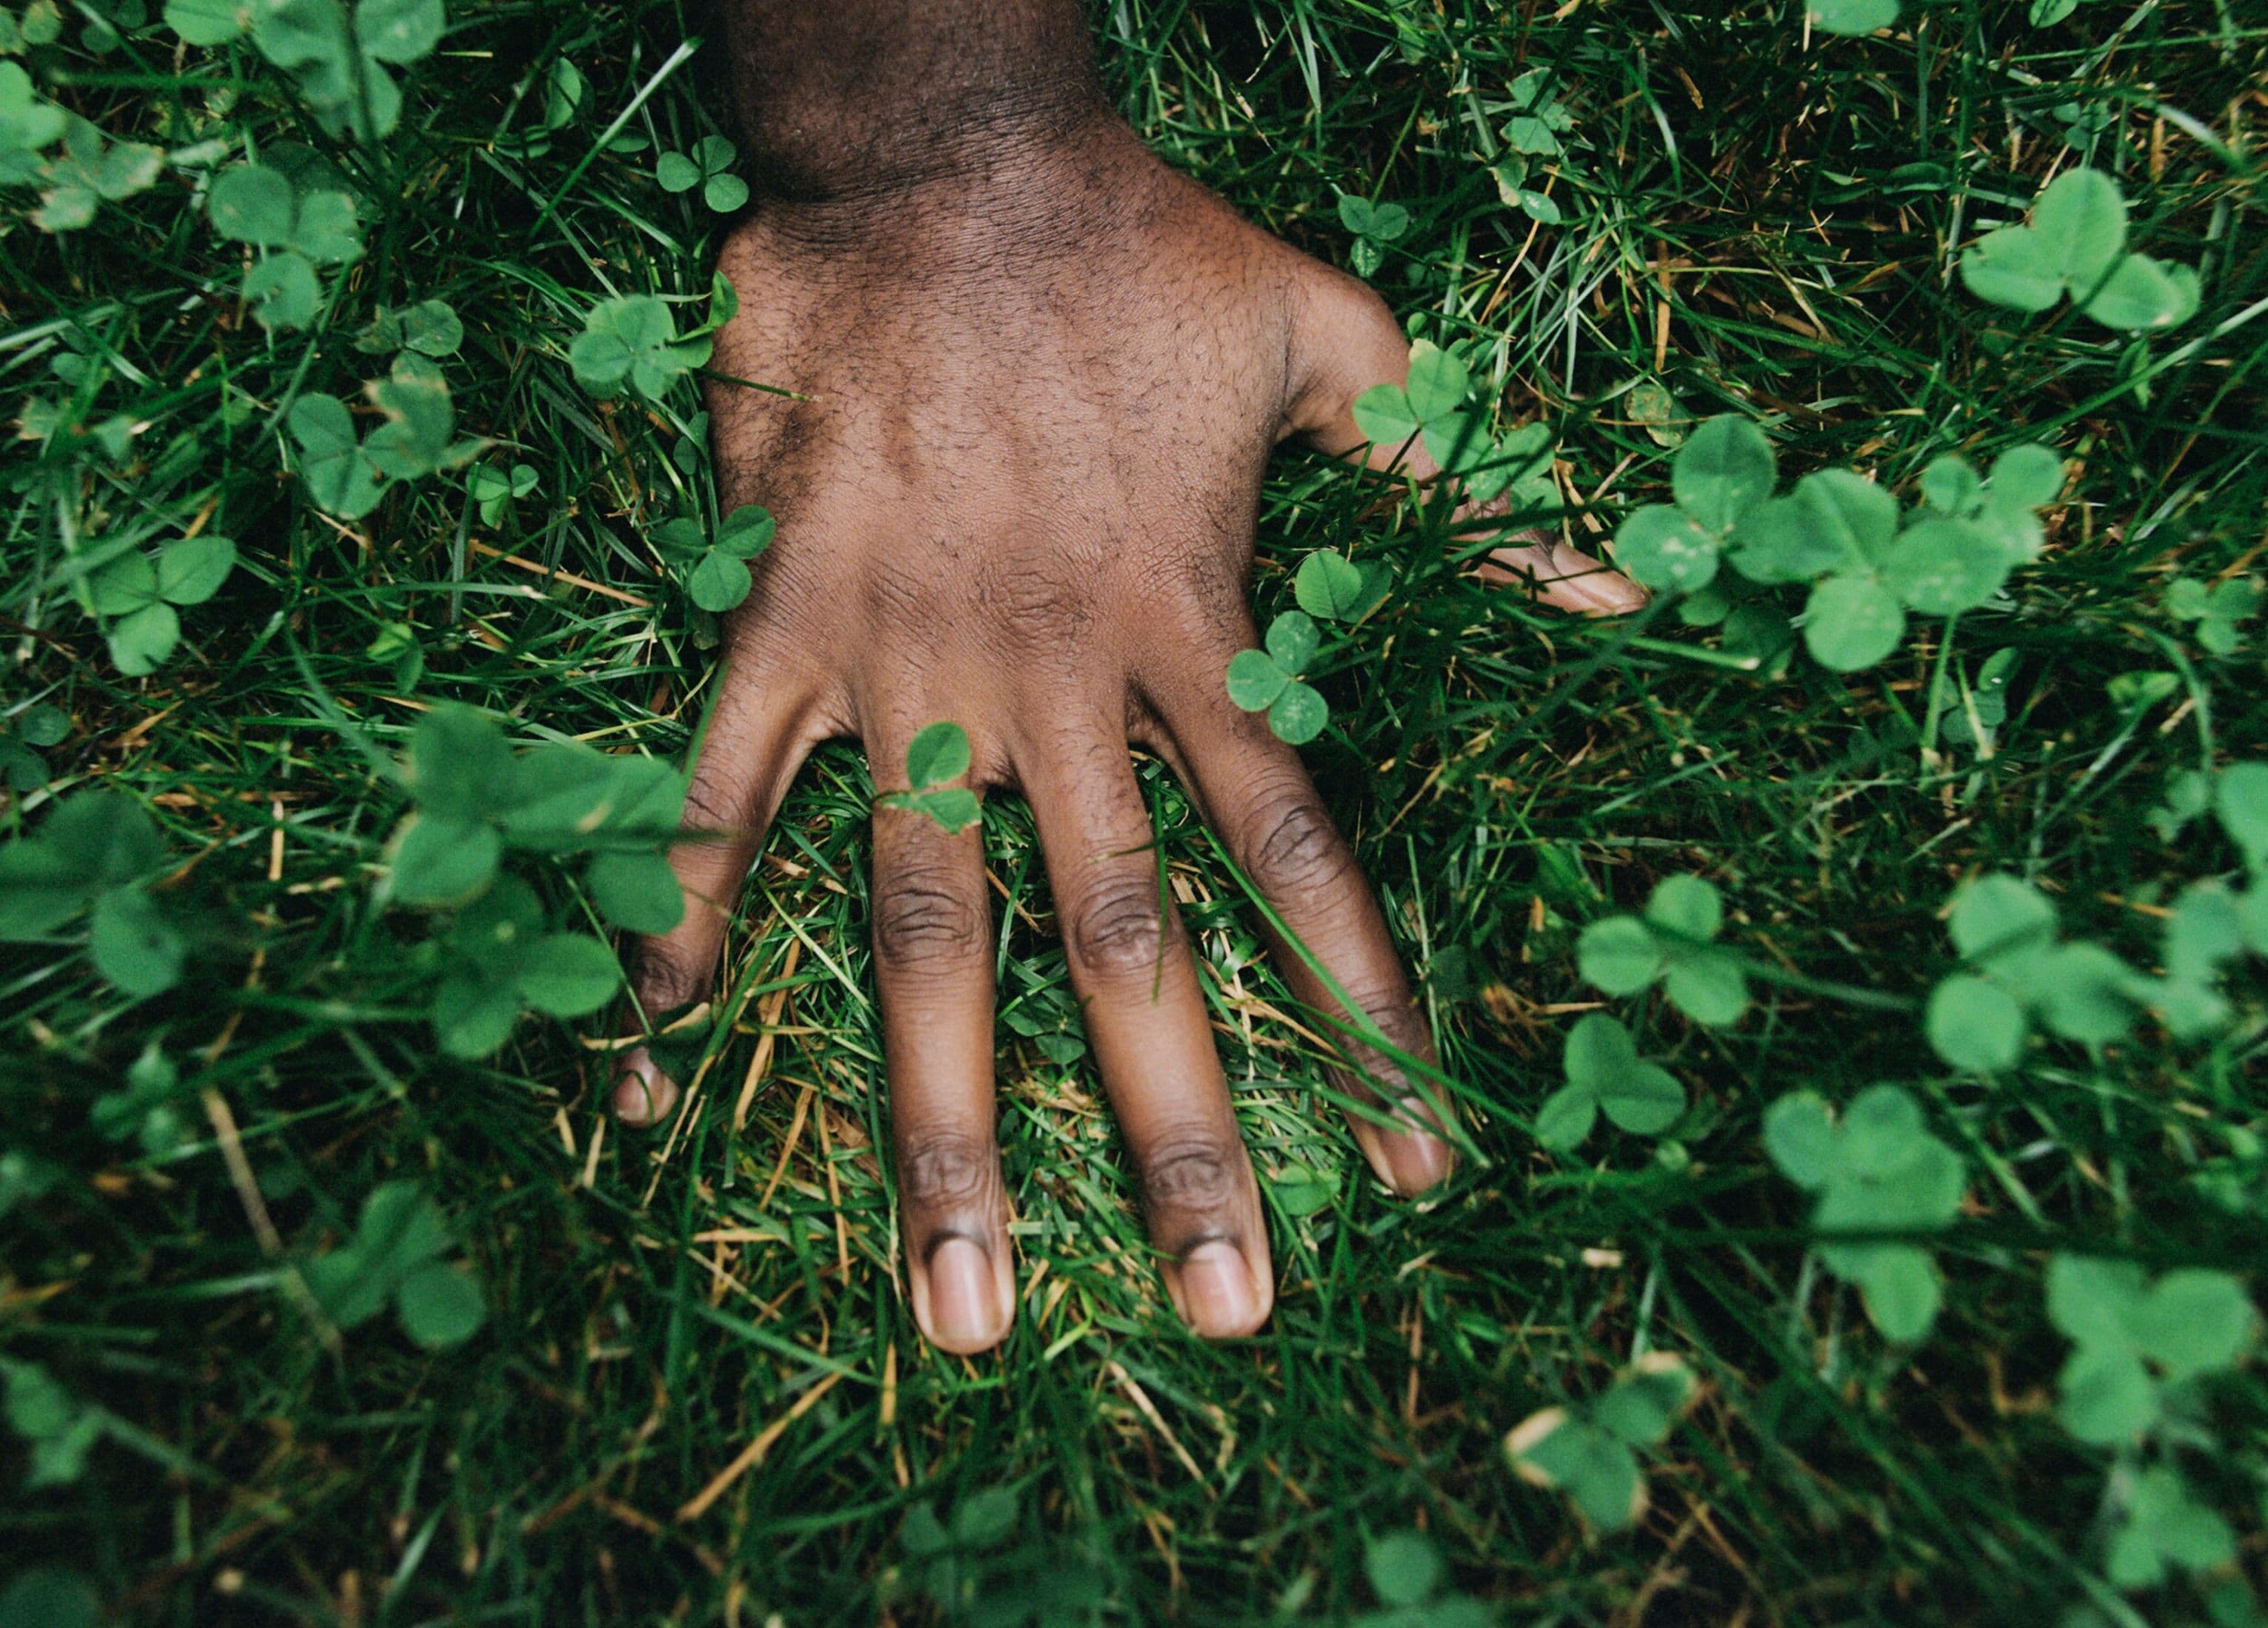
396 1257
938 754
2075 245
1605 1074
2018 973
1434 406
1875 1168
1591 1451
2219 609
1672 943
139 595
710 167
22 738
298 229
716 573
94 856
1374 226
1406 1572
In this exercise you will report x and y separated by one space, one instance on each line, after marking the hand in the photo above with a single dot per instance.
1016 490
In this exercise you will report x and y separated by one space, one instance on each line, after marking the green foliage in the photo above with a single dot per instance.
298 229
1672 944
496 490
2075 245
1840 533
1875 1169
396 1257
2137 1342
2220 610
58 1428
1374 226
710 167
500 962
1606 1075
2166 1527
716 574
347 477
937 753
631 340
1590 1452
139 596
339 54
22 738
1851 17
1434 406
1267 681
93 856
967 1568
1404 1570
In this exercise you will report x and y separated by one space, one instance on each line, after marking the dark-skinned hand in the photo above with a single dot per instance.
1016 489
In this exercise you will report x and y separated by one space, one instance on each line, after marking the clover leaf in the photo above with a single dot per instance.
1405 1572
709 167
717 573
60 1429
1669 944
1606 1075
937 754
29 124
1851 17
2135 1339
35 728
139 592
2166 1527
88 171
2016 973
1374 226
494 488
1430 406
1725 468
430 327
1538 119
2219 610
1876 1168
502 963
1267 681
339 56
396 1257
95 854
1591 1452
632 340
1331 587
2075 245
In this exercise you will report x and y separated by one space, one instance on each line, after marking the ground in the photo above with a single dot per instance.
686 1386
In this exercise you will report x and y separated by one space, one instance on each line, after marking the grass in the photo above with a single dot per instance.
1756 224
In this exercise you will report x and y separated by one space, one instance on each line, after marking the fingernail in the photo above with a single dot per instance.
1416 1161
1217 1291
964 1309
642 1093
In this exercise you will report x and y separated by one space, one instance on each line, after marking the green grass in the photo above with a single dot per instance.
1758 227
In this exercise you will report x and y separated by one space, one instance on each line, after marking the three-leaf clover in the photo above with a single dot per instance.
2167 1526
710 167
1671 943
1332 588
89 171
59 1427
632 340
501 962
297 231
1538 119
1875 1169
1432 407
2016 972
346 477
938 754
1267 681
140 593
2220 609
397 1255
1590 1452
716 573
476 797
339 57
495 488
430 327
21 739
95 852
1374 226
1412 1585
1606 1075
2135 1339
29 124
2075 244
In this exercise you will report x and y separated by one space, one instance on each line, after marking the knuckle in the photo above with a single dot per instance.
1293 849
709 807
670 974
922 921
1191 1173
949 1172
1117 925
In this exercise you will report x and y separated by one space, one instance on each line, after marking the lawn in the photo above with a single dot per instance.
1850 969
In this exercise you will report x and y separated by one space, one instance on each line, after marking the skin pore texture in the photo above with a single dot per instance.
1038 377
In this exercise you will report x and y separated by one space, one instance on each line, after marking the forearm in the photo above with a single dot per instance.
841 100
